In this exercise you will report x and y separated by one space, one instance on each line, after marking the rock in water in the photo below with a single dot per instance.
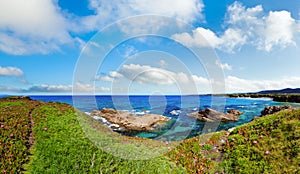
210 115
131 122
273 109
234 112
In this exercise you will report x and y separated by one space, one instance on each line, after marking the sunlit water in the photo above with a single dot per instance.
181 126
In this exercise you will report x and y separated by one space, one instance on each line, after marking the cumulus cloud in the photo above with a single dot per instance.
280 31
10 71
32 26
247 26
146 77
109 78
200 37
147 74
224 66
144 74
110 11
35 26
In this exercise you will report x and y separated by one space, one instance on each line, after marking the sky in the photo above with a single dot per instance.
148 47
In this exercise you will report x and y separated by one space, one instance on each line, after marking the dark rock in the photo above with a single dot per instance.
273 109
210 115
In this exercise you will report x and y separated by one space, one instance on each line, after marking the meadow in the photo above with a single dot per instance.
40 137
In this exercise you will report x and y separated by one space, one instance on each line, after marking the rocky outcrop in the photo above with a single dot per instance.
273 109
210 115
131 122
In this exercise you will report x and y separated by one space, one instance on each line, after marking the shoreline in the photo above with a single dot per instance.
290 98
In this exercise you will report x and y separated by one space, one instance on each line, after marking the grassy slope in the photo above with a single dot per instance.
61 146
248 146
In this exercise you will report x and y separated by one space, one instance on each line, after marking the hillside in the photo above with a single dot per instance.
39 137
283 95
281 91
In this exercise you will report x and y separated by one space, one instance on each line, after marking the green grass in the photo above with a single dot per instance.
60 144
68 141
14 133
248 146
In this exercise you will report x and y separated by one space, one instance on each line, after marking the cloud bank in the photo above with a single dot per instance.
247 26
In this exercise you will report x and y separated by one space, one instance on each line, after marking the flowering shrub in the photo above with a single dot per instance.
14 133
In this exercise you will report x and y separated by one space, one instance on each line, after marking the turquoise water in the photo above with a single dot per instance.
181 126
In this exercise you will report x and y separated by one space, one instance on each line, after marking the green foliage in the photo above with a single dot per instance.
295 98
267 145
14 132
198 154
60 145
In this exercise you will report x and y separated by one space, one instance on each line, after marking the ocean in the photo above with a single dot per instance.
181 126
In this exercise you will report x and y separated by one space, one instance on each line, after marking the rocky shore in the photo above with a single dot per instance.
268 110
126 121
294 98
210 115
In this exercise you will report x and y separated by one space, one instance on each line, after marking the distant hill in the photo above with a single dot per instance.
281 91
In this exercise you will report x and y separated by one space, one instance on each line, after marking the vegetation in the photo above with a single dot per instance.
38 137
276 97
267 145
15 133
60 145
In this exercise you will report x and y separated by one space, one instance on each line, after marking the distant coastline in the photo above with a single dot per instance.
283 95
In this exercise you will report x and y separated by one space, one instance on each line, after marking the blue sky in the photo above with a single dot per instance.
42 43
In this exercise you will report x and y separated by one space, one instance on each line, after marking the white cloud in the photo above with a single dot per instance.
46 88
115 74
146 77
104 78
147 74
238 14
54 89
40 26
224 66
162 63
236 84
200 37
10 71
110 11
144 74
280 30
112 75
7 89
187 10
247 26
263 30
232 39
88 88
129 51
32 26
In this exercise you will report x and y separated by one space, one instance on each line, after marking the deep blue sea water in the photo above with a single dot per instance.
181 126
